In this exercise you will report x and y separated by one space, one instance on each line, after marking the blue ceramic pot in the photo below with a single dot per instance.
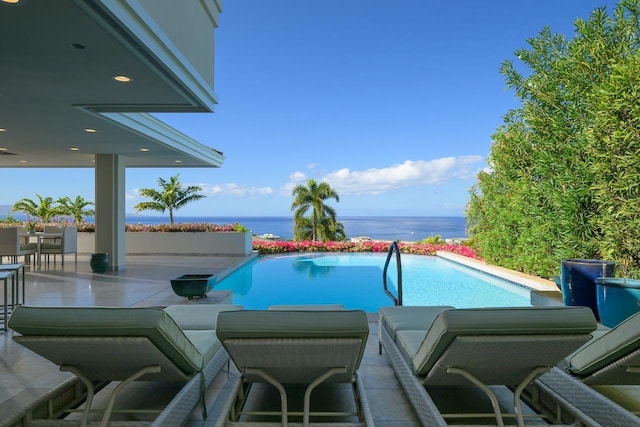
617 299
578 281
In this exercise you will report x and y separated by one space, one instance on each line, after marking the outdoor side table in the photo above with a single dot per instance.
4 276
15 300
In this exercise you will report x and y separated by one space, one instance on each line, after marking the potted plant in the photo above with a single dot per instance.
31 226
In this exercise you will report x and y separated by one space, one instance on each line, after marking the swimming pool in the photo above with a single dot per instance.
355 280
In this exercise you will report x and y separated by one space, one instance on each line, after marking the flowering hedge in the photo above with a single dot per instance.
279 247
180 227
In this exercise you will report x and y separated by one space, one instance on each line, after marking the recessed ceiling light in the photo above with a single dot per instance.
74 149
11 1
178 161
89 130
144 149
23 161
2 129
122 79
3 148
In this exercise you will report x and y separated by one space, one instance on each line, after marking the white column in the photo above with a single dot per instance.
110 208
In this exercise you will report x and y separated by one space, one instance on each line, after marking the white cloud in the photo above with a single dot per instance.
410 173
297 177
231 189
132 194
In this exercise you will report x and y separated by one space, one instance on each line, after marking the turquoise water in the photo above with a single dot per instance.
355 280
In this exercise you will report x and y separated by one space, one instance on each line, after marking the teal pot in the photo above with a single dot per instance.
99 262
617 298
578 281
193 286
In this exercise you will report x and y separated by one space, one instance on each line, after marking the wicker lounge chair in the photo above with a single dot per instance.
104 344
611 358
294 347
431 347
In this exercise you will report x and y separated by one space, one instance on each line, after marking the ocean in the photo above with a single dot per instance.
406 228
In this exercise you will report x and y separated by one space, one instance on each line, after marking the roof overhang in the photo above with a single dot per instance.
59 59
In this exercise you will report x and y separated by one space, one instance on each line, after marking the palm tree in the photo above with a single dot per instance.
312 196
77 209
44 209
171 197
328 230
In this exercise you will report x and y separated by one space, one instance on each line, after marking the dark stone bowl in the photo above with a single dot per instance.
193 285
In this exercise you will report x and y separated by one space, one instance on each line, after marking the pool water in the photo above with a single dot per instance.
355 280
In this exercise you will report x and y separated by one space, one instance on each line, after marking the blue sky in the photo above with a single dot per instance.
392 103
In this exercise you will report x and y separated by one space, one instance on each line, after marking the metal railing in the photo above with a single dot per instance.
396 300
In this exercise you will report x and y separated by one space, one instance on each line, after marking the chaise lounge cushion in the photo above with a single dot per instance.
450 324
402 318
152 323
606 348
198 317
307 307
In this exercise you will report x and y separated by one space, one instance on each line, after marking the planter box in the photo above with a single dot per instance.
178 243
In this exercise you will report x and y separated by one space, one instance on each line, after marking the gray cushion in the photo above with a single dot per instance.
409 342
499 321
198 316
152 323
399 318
606 348
307 307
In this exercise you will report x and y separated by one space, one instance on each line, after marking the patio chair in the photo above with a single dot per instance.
65 243
611 358
609 363
14 242
431 348
104 344
294 347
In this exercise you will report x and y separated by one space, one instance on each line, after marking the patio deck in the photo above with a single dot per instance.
25 376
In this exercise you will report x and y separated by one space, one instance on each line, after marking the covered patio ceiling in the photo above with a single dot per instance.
60 103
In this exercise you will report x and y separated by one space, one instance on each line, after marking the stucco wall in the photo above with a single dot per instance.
182 243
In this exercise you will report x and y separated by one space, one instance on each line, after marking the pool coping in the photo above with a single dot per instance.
543 292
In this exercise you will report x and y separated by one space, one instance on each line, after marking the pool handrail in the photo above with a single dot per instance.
393 248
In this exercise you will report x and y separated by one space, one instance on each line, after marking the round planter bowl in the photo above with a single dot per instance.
618 299
193 286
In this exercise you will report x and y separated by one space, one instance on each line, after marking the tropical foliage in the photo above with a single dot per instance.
171 196
46 210
565 165
327 229
173 228
77 209
43 209
321 224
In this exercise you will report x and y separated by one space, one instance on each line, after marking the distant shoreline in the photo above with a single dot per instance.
377 227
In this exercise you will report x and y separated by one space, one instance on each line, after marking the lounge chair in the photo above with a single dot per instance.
104 344
432 347
611 358
294 347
